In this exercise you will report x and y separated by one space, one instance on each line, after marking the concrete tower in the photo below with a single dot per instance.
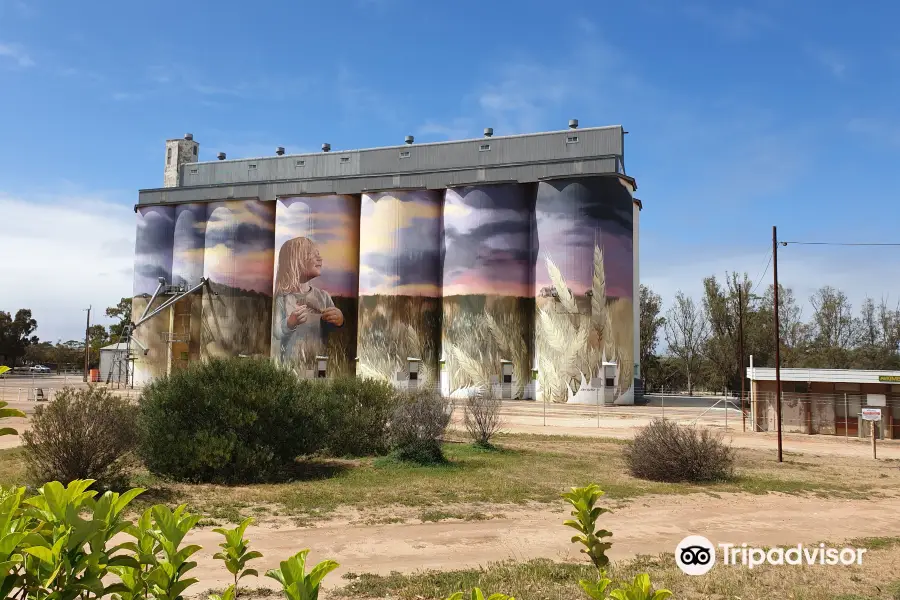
178 153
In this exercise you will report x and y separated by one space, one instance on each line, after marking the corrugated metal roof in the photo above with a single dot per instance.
120 346
824 375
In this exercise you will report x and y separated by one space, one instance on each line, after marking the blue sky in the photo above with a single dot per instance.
740 116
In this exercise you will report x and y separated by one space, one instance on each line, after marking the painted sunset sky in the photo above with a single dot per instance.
487 240
240 239
153 247
332 223
573 216
189 244
400 243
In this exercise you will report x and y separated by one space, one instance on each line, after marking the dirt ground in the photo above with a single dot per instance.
651 525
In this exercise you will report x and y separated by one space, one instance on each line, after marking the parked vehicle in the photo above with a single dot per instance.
40 369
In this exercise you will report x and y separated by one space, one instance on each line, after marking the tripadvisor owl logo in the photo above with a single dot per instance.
695 555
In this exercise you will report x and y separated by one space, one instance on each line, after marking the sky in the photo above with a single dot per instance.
740 116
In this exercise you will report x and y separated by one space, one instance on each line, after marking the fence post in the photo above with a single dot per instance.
663 400
846 419
726 413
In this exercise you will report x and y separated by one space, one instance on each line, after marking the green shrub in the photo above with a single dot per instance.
352 414
88 433
667 451
224 420
418 424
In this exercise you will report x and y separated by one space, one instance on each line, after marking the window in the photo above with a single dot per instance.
414 376
195 150
301 162
194 171
251 166
345 159
169 156
404 154
610 382
320 374
484 148
572 139
507 379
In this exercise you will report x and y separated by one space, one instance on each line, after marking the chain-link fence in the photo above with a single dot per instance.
838 414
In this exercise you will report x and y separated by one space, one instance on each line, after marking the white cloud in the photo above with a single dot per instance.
829 58
17 54
736 23
881 130
453 129
61 256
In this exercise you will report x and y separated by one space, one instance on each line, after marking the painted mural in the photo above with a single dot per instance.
400 284
488 299
468 282
239 251
316 283
187 271
583 284
152 260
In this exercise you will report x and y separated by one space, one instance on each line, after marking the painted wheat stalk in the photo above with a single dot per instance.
562 290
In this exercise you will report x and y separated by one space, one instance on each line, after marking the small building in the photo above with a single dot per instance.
826 401
114 367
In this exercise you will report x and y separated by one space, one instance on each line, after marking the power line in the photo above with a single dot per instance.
840 244
760 278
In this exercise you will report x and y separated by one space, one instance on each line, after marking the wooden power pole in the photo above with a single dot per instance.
742 371
87 344
777 340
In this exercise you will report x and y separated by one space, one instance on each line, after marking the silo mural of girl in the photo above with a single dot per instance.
303 313
315 283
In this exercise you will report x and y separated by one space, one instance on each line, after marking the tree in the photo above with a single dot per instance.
98 337
723 309
687 330
122 312
15 335
650 325
834 330
878 331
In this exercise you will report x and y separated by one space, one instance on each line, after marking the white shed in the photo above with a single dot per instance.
113 363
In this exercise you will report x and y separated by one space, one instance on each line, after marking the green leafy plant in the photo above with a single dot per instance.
167 579
297 585
639 589
477 594
65 549
586 513
236 554
6 413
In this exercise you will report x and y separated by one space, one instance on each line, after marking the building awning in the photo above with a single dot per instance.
825 375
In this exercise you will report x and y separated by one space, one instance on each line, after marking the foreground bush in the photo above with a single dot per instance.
224 420
351 415
242 420
418 424
87 433
482 417
667 451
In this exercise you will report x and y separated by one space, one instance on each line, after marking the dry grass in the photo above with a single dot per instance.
877 578
481 330
392 328
575 333
526 469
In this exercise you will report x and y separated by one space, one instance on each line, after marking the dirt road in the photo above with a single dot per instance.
648 526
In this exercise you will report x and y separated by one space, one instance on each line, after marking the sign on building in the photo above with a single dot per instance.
871 414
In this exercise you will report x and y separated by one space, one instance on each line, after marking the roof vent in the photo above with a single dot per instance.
573 123
409 139
326 147
279 150
488 131
189 136
221 156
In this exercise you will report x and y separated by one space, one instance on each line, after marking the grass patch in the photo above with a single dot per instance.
433 516
543 579
519 470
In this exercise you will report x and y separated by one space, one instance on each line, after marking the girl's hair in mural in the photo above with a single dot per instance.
294 260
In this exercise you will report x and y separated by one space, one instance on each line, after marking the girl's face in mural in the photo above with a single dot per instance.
314 265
